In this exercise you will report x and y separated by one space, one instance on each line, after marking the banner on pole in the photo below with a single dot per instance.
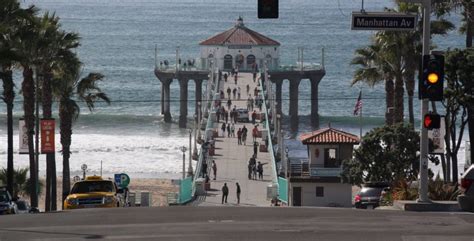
47 136
436 138
22 137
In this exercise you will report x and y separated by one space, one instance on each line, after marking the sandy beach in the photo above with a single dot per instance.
158 188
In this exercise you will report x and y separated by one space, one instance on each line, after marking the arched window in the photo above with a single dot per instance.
251 62
239 61
228 62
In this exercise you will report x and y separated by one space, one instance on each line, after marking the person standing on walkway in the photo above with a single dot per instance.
255 133
223 129
225 77
228 130
244 134
239 136
228 92
226 116
214 169
238 92
255 148
254 76
254 117
238 192
248 89
234 93
249 103
225 193
232 130
255 91
235 78
229 104
260 170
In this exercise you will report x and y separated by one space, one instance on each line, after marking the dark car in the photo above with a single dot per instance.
7 203
466 200
369 196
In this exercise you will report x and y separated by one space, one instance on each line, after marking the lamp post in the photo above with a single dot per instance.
190 165
287 160
195 154
183 149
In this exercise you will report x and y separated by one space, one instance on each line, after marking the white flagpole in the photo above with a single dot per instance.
360 115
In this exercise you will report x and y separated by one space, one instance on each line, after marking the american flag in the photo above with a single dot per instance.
358 105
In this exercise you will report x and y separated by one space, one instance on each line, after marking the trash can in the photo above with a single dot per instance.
200 186
145 199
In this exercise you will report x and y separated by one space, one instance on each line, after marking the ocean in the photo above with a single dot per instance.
119 39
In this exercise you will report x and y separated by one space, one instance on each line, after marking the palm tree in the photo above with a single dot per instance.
10 16
54 45
69 88
373 70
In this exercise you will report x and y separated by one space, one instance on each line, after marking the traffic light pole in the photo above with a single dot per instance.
423 182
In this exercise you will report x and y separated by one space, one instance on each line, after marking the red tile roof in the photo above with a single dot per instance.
328 135
239 35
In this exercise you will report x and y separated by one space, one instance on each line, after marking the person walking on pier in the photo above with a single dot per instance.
226 116
218 114
248 89
244 134
225 77
228 92
255 148
249 103
255 133
260 170
228 129
214 169
232 130
225 193
223 129
238 192
229 104
235 78
255 91
254 117
239 136
234 93
254 76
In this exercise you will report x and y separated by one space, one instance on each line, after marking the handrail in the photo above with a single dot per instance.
267 126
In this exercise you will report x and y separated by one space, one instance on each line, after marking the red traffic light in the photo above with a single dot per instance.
432 121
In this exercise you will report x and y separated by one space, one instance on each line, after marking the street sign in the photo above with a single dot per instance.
383 21
122 180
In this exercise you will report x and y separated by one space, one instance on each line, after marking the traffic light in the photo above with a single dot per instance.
267 8
432 78
432 121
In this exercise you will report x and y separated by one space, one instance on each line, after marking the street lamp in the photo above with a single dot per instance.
195 152
287 171
190 166
183 149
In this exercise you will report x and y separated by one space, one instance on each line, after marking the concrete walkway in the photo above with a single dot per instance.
232 159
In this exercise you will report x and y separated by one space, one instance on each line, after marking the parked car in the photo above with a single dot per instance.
369 195
243 115
466 200
23 207
93 192
7 203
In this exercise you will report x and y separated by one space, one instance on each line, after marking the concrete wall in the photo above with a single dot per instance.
335 194
258 51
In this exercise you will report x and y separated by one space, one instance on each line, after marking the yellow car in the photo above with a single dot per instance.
93 192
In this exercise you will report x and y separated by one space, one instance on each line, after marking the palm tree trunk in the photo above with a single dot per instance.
50 201
9 96
389 90
398 110
28 89
66 133
410 87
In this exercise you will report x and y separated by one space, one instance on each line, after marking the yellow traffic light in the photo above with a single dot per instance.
433 78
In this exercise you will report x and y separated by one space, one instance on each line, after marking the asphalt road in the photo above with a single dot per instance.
238 223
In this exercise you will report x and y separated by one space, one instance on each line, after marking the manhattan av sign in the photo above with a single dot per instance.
383 21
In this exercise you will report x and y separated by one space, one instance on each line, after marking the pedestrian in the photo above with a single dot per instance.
225 193
218 114
255 133
254 116
214 169
204 169
250 167
234 93
244 137
225 77
248 89
226 116
255 148
229 104
238 192
222 95
239 136
255 91
254 76
228 130
249 103
260 170
223 129
232 130
235 78
238 92
228 92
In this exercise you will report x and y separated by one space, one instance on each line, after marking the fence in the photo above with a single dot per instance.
186 190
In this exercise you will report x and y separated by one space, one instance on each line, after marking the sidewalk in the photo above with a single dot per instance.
232 159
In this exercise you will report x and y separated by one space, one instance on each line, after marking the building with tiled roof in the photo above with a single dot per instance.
329 136
316 181
240 47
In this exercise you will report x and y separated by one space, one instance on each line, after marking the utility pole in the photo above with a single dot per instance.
190 165
423 184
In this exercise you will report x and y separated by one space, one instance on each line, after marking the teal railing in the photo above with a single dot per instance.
269 136
283 189
185 190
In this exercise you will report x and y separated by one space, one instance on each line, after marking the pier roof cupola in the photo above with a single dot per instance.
239 35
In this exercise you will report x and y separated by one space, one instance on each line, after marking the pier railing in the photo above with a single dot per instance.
275 181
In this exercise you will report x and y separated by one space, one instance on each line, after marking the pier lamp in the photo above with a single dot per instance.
287 161
190 165
183 149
